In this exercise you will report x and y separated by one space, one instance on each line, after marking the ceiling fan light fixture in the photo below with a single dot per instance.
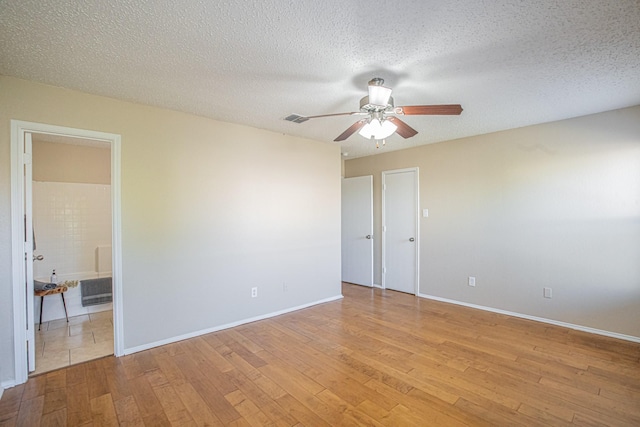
378 129
379 95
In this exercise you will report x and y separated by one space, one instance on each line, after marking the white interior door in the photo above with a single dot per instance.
357 230
28 251
400 249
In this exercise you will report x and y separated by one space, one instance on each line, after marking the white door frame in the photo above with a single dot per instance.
18 130
417 224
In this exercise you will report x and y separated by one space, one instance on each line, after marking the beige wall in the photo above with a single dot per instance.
209 210
554 205
62 162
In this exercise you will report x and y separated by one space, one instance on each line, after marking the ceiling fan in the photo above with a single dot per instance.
381 121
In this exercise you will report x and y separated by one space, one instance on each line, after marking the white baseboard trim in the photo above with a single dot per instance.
227 326
537 319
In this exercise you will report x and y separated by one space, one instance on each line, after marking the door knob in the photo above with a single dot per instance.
369 236
411 239
38 258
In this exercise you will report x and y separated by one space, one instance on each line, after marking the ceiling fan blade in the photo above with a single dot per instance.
353 113
351 130
297 118
404 130
425 110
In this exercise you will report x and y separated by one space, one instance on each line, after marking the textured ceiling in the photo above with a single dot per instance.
509 63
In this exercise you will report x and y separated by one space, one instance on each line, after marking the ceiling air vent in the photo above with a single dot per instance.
295 118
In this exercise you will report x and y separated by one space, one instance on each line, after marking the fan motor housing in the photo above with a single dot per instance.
365 107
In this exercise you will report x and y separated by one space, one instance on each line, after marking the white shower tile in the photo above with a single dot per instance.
70 220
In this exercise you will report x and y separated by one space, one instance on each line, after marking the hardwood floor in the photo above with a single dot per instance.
379 358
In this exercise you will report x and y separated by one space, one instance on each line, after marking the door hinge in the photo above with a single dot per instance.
26 158
384 270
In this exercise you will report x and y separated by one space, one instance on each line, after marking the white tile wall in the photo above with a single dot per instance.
70 221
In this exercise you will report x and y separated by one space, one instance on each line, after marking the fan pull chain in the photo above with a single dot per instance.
384 142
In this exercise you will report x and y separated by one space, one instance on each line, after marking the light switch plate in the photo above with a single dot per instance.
425 213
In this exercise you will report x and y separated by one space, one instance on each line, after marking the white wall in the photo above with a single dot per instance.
209 210
554 205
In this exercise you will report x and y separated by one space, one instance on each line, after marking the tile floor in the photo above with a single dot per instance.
86 337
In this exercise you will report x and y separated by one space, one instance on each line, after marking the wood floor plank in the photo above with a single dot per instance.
265 401
197 407
348 414
96 379
127 412
55 400
243 405
215 357
75 374
215 401
103 411
149 407
117 382
173 406
199 360
496 418
244 341
594 402
9 419
11 398
433 389
300 412
423 404
54 419
79 405
375 357
55 380
35 387
543 416
30 412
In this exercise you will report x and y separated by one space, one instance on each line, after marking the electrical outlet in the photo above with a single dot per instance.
547 293
285 288
472 281
254 292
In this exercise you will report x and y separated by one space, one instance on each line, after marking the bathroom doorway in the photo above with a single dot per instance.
71 217
59 243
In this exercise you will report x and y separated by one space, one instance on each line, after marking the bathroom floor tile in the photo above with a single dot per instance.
67 343
52 360
100 335
59 344
94 351
81 328
101 315
52 334
57 324
101 324
39 347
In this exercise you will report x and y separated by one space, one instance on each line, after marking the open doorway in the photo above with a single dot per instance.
59 240
71 217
